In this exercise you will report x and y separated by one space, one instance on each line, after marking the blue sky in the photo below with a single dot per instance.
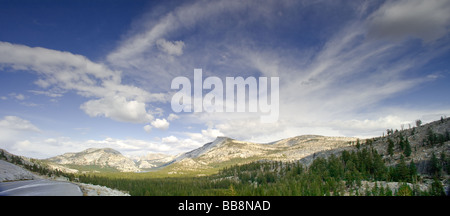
82 74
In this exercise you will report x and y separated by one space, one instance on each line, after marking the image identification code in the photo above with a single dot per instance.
226 206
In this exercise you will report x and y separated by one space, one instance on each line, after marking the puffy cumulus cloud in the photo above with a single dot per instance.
172 117
148 128
428 20
13 130
162 124
211 133
181 145
169 139
63 71
118 108
206 135
17 124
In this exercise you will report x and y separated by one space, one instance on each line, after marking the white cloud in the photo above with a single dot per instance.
13 129
211 133
171 48
428 20
17 124
20 97
181 145
140 53
348 77
162 124
320 88
172 117
206 135
64 71
46 93
117 108
335 88
148 128
49 147
170 139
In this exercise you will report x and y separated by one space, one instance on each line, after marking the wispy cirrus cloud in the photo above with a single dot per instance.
347 77
339 62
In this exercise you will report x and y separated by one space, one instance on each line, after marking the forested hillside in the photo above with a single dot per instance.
347 174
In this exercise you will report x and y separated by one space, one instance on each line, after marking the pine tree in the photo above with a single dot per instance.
404 190
412 171
232 191
402 171
407 151
434 169
443 162
432 138
379 170
388 191
390 147
401 142
448 165
418 122
2 155
436 188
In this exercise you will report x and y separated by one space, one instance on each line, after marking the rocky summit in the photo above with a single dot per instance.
97 157
226 151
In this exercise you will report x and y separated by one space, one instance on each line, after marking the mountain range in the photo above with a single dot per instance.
225 151
219 153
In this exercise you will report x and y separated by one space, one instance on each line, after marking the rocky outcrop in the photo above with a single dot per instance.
103 157
152 160
218 142
226 151
11 172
